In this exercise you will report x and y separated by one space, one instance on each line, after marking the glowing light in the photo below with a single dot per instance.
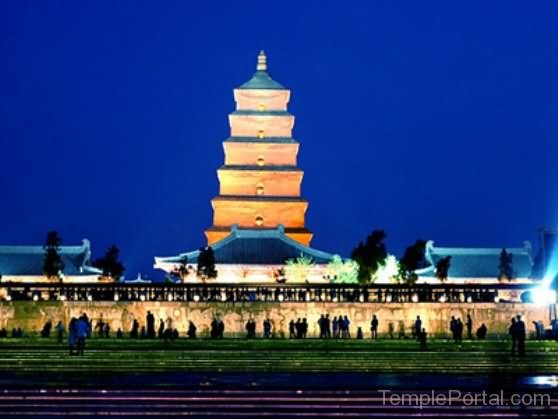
259 220
62 297
307 296
223 296
89 297
280 297
8 297
443 298
142 297
414 298
116 296
387 271
35 297
361 298
169 297
388 298
196 298
543 295
496 299
469 299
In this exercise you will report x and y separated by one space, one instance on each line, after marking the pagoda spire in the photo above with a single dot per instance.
262 61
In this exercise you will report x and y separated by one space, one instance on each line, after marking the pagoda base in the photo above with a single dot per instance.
300 235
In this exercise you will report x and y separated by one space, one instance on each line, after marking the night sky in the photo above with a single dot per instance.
433 120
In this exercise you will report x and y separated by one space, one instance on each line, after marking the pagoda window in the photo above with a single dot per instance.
261 134
261 107
261 161
259 220
259 189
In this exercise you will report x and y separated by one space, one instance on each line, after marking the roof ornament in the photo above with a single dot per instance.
262 61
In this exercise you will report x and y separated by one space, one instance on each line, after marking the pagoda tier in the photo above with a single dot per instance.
260 182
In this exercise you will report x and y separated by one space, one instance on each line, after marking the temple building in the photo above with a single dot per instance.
24 264
477 265
259 214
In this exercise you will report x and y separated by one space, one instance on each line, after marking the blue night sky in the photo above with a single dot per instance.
436 120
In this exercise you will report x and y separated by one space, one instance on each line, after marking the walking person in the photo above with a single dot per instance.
60 331
150 320
335 327
418 328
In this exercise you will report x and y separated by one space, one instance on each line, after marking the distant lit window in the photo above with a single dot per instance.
259 189
261 161
259 220
261 107
260 134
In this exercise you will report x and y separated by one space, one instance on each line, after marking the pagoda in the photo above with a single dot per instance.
260 180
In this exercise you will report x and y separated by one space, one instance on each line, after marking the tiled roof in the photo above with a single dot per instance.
28 260
262 80
478 262
258 247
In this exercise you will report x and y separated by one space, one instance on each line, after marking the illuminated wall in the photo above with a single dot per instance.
31 316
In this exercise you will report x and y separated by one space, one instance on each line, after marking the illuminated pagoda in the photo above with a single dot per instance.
259 214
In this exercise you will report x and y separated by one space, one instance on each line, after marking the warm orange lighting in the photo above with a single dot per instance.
261 107
259 220
261 161
259 189
260 134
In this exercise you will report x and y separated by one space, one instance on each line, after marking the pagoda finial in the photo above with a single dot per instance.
262 61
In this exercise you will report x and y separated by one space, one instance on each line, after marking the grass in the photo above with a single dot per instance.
103 356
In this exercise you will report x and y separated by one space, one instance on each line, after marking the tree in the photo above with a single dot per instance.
342 272
412 259
110 265
53 265
297 270
387 272
206 263
369 255
181 269
505 268
442 268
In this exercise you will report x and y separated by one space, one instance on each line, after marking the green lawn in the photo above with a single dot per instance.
31 355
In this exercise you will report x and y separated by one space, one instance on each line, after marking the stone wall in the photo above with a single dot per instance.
32 315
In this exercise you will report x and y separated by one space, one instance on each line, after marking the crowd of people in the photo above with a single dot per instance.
81 328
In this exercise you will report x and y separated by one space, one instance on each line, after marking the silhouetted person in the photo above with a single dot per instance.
298 326
82 333
106 330
150 321
401 331
214 333
143 333
72 335
321 326
374 327
335 326
45 333
481 332
521 336
135 329
292 330
539 328
100 327
453 328
469 324
161 331
459 331
327 326
391 329
513 334
418 327
304 327
60 331
119 334
422 339
267 328
191 330
359 334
